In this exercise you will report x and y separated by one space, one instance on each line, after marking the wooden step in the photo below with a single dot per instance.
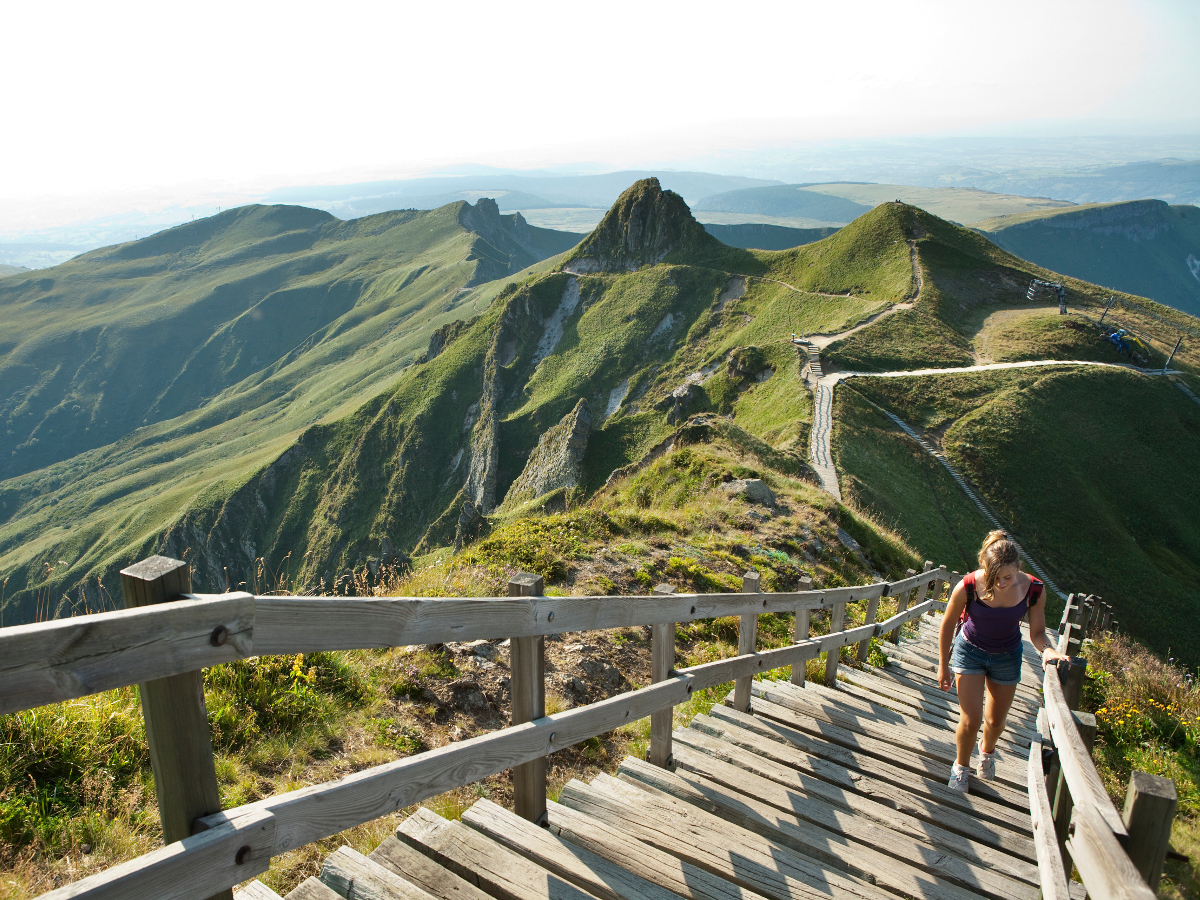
313 889
256 890
482 862
790 765
1026 712
416 868
721 848
581 867
878 759
852 843
792 800
915 737
356 877
617 846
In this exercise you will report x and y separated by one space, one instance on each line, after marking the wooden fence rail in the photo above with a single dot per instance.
1117 854
61 660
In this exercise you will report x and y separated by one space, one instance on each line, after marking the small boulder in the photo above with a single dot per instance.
754 490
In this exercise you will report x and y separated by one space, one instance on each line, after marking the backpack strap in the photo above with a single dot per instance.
1036 587
969 584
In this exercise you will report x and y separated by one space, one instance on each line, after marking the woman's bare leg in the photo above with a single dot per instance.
995 714
970 703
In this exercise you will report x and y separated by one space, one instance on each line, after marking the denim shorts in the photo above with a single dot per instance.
1000 668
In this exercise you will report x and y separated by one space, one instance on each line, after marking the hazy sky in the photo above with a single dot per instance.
123 97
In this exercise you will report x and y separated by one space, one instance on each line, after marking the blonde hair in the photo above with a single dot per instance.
997 551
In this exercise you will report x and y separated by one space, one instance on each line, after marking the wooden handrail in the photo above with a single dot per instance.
67 658
229 840
1050 862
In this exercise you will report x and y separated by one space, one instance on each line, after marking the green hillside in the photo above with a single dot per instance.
1142 247
965 280
336 473
233 312
1095 470
765 237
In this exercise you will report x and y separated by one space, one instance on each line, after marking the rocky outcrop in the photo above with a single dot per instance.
507 244
557 460
753 490
643 228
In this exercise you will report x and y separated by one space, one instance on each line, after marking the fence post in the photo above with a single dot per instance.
800 632
837 621
181 754
1067 631
918 597
662 667
864 646
1080 629
747 643
527 663
1149 808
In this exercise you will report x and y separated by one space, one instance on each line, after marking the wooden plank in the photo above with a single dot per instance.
313 889
256 890
942 705
584 869
67 658
854 844
662 667
792 801
614 844
480 861
1025 713
837 618
416 868
747 641
197 866
795 767
1050 862
720 847
181 754
1106 871
528 667
901 618
308 624
1087 790
356 877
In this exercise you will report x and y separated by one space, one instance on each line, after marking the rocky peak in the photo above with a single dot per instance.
644 227
557 460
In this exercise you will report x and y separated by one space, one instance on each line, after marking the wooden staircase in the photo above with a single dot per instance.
814 793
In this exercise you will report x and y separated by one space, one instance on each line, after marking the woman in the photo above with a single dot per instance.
986 653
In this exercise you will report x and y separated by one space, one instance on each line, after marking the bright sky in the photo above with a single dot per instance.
126 97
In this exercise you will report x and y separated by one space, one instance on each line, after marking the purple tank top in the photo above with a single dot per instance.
991 628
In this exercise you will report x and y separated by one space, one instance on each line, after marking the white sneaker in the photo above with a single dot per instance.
987 765
958 778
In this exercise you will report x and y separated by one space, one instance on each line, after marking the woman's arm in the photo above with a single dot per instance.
1037 633
958 599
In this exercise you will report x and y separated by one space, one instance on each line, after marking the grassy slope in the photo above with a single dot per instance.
1140 246
886 473
1094 470
966 277
102 507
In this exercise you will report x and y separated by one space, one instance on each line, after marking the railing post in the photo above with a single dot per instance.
1079 628
837 620
1149 808
662 667
1066 616
1068 631
181 754
527 662
917 595
747 643
801 631
864 646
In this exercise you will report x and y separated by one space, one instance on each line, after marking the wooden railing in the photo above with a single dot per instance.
1117 854
167 635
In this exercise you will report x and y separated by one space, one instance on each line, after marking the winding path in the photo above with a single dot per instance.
820 443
